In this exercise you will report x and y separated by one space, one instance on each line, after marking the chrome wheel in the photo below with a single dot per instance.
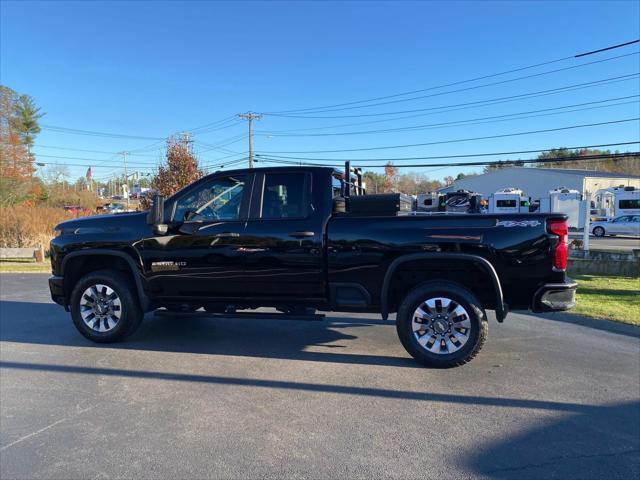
100 308
441 325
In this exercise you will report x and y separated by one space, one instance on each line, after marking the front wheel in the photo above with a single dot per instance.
598 232
441 324
103 307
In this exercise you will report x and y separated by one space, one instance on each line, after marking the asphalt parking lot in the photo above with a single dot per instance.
194 397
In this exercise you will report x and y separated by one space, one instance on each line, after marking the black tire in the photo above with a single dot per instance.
599 232
479 327
131 312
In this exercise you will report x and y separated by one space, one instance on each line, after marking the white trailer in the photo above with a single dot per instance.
569 202
508 200
429 202
615 201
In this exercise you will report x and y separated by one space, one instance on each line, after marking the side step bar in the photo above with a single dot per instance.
256 315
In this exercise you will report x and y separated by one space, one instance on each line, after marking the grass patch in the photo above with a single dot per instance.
610 298
24 265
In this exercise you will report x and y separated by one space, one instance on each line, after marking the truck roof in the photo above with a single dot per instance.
270 169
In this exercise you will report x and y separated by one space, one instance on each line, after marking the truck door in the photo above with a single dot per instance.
284 256
201 256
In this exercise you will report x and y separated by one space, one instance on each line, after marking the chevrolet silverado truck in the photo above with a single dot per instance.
304 238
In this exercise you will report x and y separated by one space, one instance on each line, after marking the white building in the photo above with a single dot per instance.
536 182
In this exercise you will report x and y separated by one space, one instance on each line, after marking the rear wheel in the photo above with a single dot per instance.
598 232
104 308
441 324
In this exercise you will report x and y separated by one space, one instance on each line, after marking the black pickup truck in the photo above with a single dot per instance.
305 238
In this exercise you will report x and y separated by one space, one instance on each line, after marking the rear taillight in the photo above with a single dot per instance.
561 251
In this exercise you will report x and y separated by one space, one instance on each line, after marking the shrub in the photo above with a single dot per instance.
16 190
59 197
23 226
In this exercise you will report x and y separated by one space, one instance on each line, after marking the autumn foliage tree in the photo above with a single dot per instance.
18 126
181 169
628 165
390 173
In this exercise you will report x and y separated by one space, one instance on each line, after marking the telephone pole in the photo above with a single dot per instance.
250 116
126 178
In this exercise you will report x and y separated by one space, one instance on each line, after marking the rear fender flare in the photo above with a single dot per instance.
501 308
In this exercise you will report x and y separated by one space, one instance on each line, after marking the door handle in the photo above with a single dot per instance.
301 234
227 235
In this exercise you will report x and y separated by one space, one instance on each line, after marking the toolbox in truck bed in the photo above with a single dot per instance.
380 204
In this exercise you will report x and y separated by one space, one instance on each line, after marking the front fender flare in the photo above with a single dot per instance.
135 269
501 308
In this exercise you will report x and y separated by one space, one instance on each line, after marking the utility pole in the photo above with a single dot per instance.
126 178
250 116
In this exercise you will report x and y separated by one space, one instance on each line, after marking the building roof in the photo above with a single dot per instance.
541 173
587 173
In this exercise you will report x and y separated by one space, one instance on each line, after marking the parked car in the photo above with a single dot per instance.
623 225
112 208
77 209
307 237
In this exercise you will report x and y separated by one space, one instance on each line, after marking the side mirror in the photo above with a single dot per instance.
156 212
155 216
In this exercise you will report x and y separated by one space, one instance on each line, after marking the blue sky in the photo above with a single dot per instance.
149 69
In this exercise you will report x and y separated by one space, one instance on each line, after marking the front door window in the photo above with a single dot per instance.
219 199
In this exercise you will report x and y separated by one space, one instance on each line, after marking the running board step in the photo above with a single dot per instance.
256 315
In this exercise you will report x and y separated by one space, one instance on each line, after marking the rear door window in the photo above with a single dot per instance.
284 196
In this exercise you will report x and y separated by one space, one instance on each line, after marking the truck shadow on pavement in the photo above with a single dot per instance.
48 324
315 341
595 442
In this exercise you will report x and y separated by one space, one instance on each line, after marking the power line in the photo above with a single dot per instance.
440 142
226 164
83 150
151 146
475 87
212 124
222 143
76 131
98 160
93 165
461 104
475 164
484 77
475 104
472 121
243 154
223 127
606 48
468 155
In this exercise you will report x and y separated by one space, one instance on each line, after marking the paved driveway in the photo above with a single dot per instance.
617 243
225 398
